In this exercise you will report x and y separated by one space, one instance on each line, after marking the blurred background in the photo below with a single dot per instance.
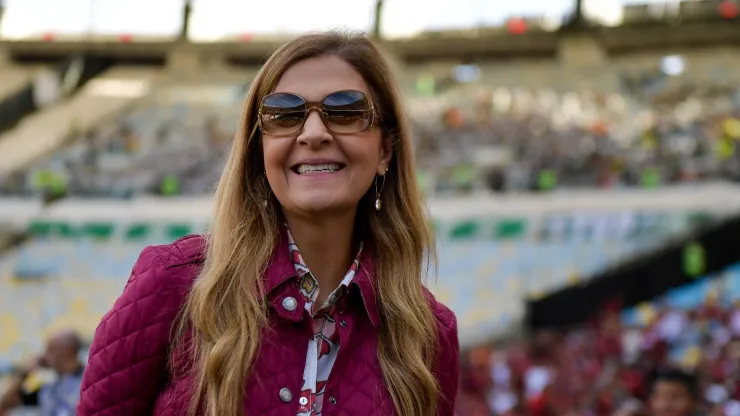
579 158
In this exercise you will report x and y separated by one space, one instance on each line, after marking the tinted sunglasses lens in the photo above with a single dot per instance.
282 114
347 112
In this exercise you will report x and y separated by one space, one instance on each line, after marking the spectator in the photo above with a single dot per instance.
60 397
674 393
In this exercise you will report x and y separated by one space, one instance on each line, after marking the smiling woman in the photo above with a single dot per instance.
306 297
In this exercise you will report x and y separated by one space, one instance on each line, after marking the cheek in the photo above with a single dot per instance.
275 154
365 153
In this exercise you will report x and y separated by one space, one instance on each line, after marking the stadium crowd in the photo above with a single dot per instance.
675 362
467 138
659 359
544 149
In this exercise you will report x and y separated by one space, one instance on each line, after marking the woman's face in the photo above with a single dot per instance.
316 171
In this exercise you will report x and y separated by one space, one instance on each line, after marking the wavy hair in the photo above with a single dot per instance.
226 311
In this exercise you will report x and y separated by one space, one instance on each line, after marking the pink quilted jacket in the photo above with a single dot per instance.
127 370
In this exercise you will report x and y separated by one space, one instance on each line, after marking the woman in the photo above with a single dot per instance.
263 314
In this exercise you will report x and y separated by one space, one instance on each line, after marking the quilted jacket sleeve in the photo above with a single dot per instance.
127 362
448 364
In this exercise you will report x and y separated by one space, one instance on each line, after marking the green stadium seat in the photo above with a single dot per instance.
176 231
510 228
98 231
465 229
138 231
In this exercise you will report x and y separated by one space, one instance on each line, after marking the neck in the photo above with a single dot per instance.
326 247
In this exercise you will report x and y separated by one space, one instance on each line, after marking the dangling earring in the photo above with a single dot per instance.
269 192
378 202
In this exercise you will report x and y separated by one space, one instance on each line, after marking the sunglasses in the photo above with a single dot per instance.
342 112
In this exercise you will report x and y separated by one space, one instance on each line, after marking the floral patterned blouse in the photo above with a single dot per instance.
323 346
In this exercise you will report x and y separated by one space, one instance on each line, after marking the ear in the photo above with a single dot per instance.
386 153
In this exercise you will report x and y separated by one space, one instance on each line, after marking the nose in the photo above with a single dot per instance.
314 133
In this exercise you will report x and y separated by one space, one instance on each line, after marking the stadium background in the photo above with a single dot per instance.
579 160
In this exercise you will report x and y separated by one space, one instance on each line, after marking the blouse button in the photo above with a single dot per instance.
332 400
343 323
285 395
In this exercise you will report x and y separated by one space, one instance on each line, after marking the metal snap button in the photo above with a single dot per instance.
285 395
343 323
332 400
289 304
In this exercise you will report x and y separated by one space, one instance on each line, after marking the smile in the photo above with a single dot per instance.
304 168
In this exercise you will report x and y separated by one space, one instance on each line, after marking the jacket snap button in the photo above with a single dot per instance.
289 304
343 323
332 400
285 395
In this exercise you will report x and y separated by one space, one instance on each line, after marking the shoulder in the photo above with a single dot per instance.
163 274
184 251
127 363
167 261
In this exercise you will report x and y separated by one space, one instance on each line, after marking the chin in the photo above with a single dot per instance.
321 206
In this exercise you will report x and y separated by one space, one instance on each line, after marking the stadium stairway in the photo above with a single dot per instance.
46 130
16 77
32 91
17 86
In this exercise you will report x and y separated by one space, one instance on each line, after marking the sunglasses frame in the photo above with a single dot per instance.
318 106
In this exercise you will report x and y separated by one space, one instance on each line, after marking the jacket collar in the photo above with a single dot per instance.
281 269
365 281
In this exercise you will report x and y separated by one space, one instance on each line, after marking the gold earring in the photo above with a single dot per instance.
378 202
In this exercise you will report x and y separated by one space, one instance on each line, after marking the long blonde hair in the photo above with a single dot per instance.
225 312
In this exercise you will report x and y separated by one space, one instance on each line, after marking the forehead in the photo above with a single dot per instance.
671 387
315 78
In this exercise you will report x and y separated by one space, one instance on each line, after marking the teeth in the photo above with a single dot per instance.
326 167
